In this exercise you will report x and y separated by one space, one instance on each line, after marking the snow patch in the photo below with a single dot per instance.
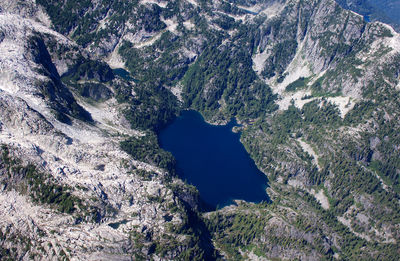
43 17
20 25
6 84
252 256
302 97
141 38
236 17
298 68
18 209
70 153
189 54
103 23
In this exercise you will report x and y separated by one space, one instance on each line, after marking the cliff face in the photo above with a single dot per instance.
82 176
68 190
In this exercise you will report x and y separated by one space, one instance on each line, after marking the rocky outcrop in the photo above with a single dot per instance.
111 202
314 86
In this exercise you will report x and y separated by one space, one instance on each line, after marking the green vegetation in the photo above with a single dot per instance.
85 69
63 103
150 18
88 78
300 83
158 63
283 53
10 242
67 18
237 231
353 247
191 236
218 80
349 169
153 105
146 149
151 109
225 22
41 187
58 95
167 247
225 73
78 16
327 113
361 111
94 91
44 189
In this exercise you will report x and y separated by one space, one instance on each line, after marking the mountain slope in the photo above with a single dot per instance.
314 86
86 198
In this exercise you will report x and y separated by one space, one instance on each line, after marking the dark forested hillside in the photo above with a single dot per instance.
86 85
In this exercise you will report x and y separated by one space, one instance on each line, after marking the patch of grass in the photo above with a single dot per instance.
300 83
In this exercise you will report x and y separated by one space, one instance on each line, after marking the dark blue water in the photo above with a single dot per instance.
387 11
213 159
123 73
391 8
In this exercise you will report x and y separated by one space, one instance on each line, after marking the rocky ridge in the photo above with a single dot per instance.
314 86
85 156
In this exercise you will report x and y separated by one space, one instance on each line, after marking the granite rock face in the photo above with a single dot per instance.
82 156
314 86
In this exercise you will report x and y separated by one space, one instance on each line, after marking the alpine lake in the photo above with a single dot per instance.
213 159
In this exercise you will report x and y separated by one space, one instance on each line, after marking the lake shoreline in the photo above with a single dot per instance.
212 158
